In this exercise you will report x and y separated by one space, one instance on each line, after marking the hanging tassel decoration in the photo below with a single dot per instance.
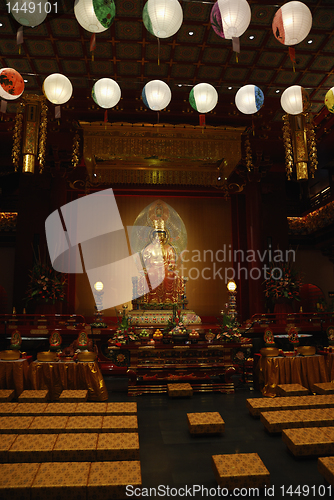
202 122
57 113
3 107
292 54
253 127
106 116
158 51
92 45
19 38
236 46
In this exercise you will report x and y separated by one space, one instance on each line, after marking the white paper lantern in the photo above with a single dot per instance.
106 93
30 13
235 17
95 16
292 23
203 97
329 100
57 88
11 84
294 100
249 99
156 95
162 18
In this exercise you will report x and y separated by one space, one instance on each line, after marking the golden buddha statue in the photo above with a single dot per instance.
158 259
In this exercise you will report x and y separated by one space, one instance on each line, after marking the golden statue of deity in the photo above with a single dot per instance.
159 261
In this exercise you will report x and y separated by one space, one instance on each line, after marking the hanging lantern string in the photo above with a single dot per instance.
236 46
19 38
158 51
158 117
92 45
292 54
253 127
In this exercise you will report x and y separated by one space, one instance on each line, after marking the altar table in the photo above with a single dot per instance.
303 370
59 376
14 375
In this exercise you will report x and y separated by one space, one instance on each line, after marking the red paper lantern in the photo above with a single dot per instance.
11 84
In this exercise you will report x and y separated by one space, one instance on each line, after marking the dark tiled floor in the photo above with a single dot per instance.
170 456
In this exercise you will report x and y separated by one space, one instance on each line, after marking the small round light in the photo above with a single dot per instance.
310 41
230 88
191 33
231 286
98 286
251 37
277 91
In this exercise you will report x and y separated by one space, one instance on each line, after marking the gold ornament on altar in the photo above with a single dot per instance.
269 338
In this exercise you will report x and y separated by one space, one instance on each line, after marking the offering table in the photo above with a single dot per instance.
206 366
303 370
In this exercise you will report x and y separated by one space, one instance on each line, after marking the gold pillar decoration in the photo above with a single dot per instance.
312 146
300 146
287 147
249 158
17 136
76 150
34 132
42 135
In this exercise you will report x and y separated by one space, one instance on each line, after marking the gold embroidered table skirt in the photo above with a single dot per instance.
60 376
303 370
14 375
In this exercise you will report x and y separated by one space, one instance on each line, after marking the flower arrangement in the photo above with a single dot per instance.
125 333
229 330
45 284
175 325
282 282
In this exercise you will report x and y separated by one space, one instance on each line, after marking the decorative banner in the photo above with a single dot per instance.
19 38
57 112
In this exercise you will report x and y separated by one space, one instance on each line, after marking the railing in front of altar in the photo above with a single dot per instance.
305 321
